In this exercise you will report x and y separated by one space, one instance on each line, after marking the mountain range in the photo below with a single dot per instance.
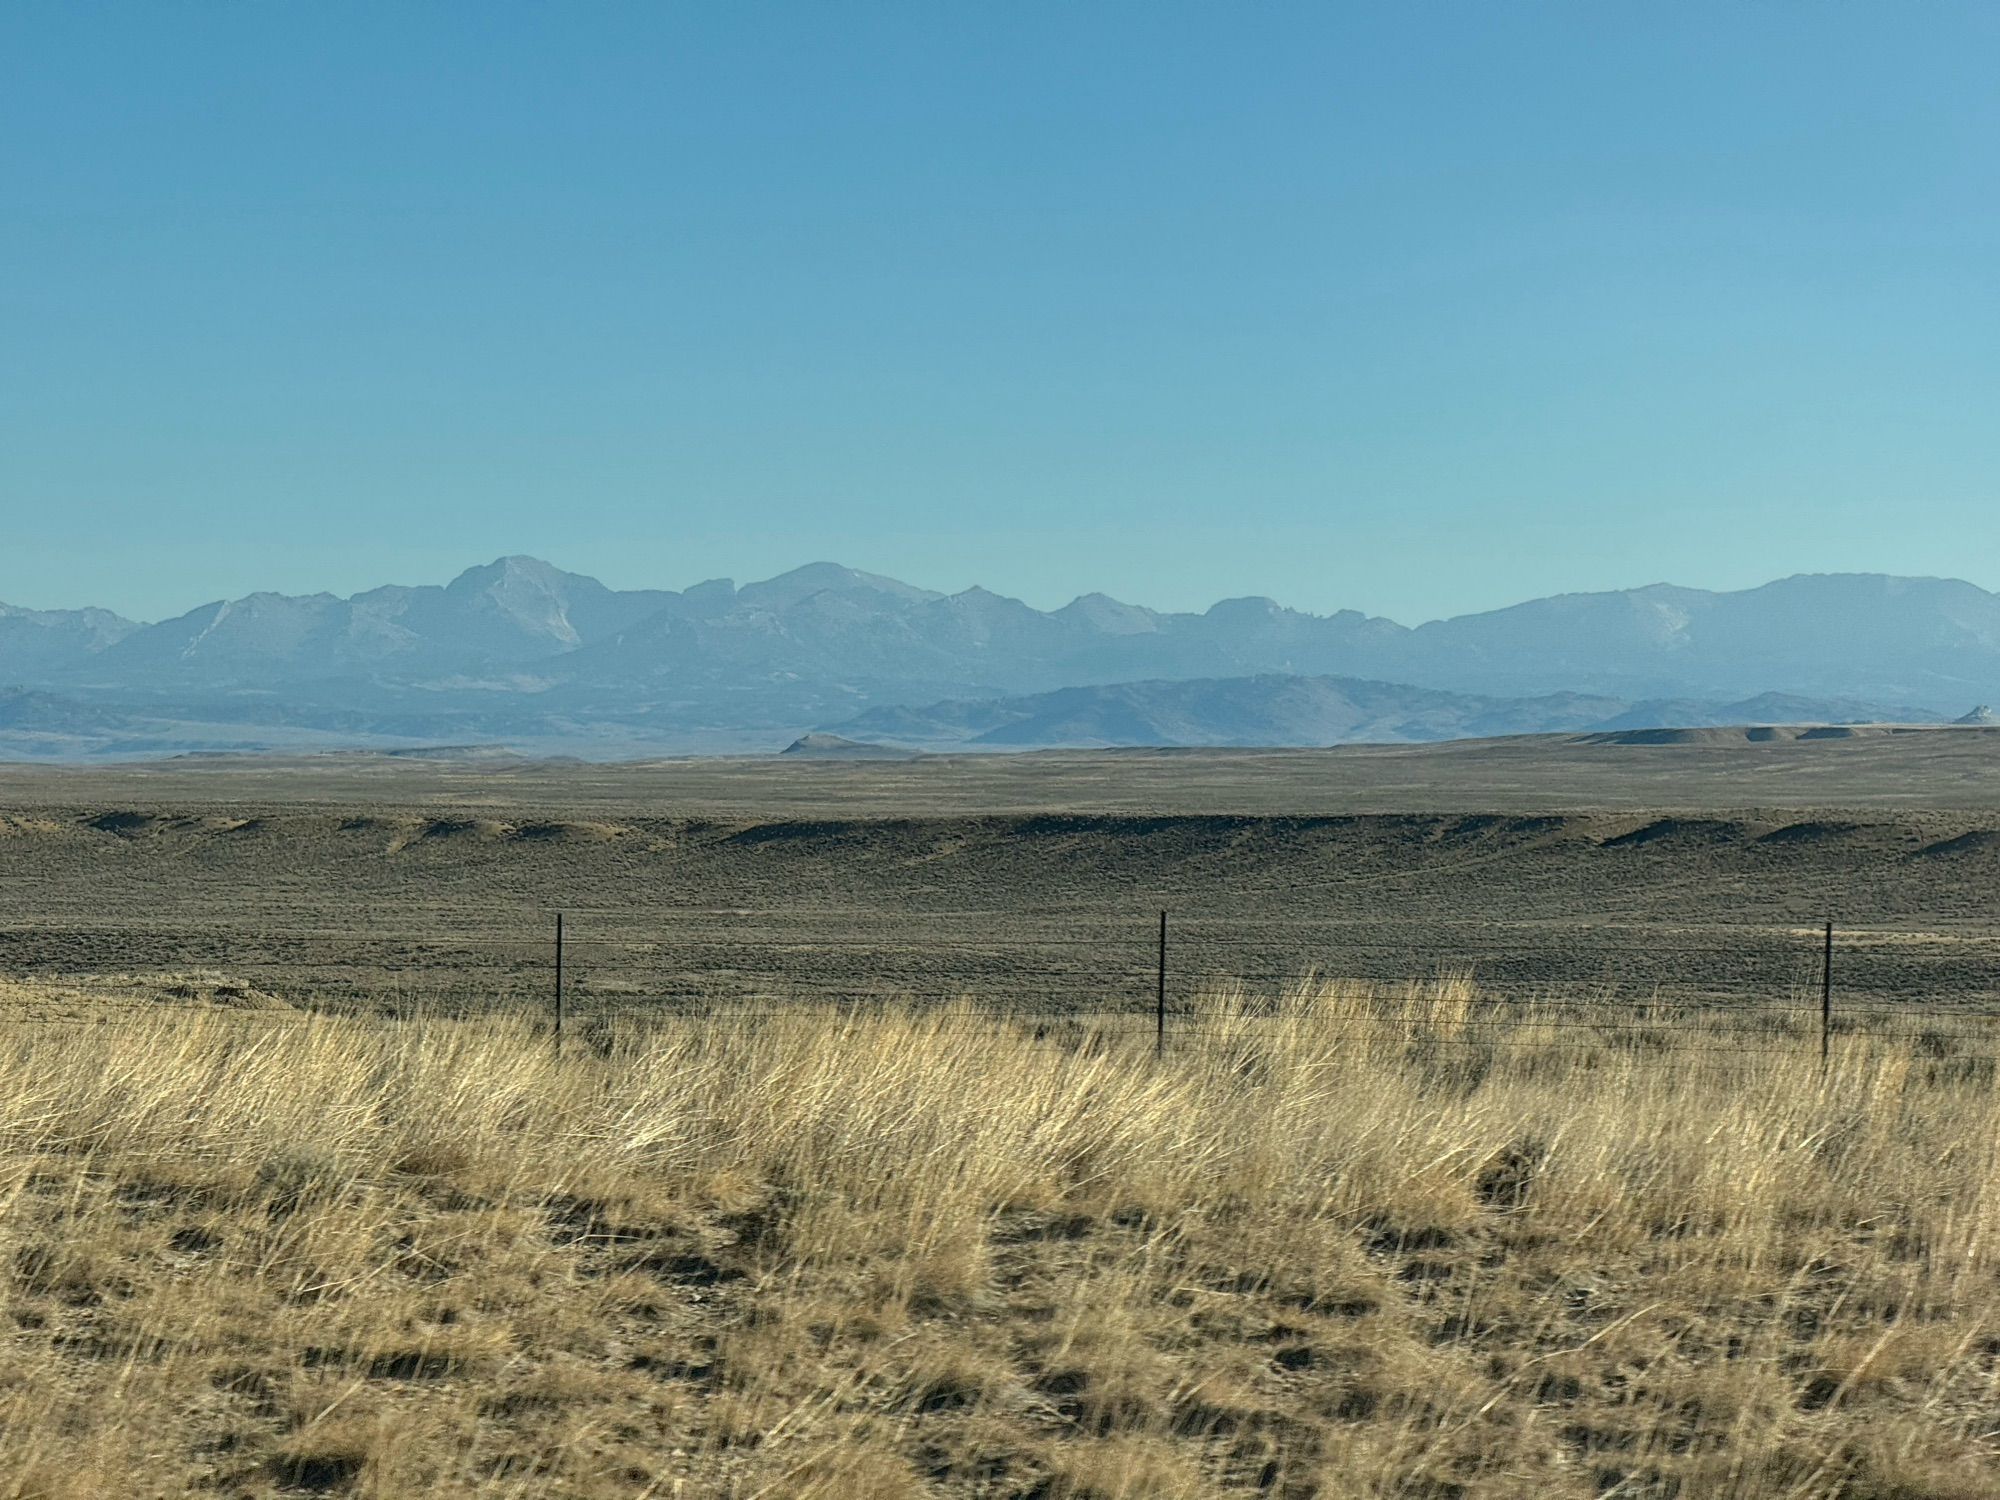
523 652
1282 710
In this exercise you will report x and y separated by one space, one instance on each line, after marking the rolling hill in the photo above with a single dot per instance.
1283 710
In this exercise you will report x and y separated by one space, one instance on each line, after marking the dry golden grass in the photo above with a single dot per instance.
1370 1244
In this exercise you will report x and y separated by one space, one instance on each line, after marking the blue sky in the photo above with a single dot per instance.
1415 308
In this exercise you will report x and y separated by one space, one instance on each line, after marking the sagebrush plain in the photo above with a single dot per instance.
1488 1154
1702 869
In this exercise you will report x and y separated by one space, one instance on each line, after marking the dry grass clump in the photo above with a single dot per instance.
111 998
1355 1244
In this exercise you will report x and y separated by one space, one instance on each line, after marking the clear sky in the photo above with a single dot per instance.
1411 307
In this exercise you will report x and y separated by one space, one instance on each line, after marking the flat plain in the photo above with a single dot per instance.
1699 870
1544 1188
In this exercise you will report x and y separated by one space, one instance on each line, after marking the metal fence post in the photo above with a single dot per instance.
559 981
1160 1015
1826 1000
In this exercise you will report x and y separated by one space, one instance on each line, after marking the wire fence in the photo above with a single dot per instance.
1708 989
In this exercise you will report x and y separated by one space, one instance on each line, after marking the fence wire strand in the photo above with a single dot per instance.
1759 986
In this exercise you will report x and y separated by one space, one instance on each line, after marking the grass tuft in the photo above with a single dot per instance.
1351 1242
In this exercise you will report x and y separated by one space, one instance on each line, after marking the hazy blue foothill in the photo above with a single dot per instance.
520 651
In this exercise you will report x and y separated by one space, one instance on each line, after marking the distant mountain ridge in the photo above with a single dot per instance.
1278 710
520 650
509 612
34 642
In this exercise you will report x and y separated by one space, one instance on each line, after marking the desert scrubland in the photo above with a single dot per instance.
1701 870
1490 1152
